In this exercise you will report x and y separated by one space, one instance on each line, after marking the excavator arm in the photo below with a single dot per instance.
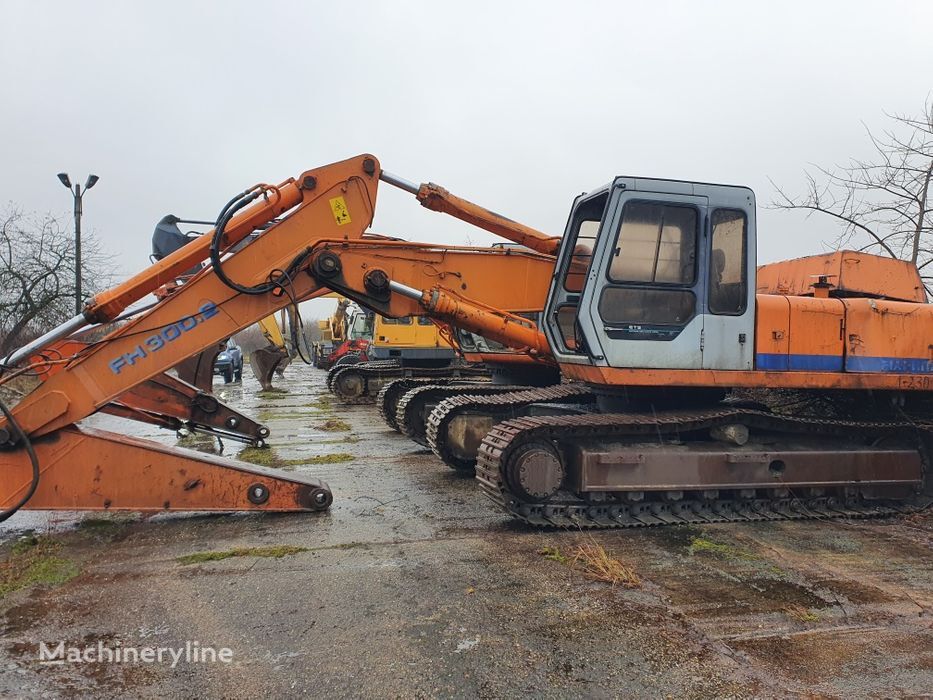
173 403
316 246
462 287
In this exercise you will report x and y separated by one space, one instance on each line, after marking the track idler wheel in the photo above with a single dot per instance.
349 384
535 471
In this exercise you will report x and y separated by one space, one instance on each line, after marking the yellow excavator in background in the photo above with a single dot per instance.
332 333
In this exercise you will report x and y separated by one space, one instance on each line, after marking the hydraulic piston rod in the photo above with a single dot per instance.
436 198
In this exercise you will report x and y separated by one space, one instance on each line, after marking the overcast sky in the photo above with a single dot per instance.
518 106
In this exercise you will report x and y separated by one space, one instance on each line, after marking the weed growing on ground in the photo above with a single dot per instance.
267 457
274 552
334 458
798 612
701 545
592 561
334 425
322 403
263 456
553 553
34 561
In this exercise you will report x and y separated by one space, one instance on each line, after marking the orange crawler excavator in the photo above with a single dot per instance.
718 392
652 306
48 462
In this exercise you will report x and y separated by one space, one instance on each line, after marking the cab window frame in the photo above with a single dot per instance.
697 237
744 273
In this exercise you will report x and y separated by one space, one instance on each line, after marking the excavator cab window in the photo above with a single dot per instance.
401 321
575 263
653 267
728 276
656 245
362 327
424 321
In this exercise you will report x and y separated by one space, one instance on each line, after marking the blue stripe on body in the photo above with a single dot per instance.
897 365
812 363
834 363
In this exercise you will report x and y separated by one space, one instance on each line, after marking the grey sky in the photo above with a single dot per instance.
518 106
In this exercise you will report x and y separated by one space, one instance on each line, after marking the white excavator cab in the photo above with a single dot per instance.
656 274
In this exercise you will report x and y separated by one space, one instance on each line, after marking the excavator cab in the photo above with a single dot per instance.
656 274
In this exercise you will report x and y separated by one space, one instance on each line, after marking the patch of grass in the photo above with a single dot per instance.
103 528
324 402
592 561
798 612
334 425
272 390
263 456
702 545
33 562
334 458
554 554
199 441
274 552
267 457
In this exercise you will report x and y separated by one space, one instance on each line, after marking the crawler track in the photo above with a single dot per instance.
500 406
409 414
352 383
388 397
375 364
569 509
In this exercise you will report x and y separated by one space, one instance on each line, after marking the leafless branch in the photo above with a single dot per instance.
883 204
37 274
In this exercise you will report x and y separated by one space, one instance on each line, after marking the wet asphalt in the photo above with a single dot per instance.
413 585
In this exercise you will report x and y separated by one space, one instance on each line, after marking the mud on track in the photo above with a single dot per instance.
412 585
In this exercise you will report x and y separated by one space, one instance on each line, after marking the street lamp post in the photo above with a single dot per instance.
78 194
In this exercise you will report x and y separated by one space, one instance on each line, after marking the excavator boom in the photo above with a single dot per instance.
48 463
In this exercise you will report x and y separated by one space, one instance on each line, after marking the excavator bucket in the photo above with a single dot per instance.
264 362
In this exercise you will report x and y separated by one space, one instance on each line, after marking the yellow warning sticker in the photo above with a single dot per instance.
341 213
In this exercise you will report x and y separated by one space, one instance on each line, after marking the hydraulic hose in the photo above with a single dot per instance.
18 431
242 200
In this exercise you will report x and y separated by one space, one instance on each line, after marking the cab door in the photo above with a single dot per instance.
729 318
643 302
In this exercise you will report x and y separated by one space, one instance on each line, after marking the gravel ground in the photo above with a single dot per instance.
414 586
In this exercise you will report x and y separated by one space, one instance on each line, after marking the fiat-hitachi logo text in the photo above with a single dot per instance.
163 338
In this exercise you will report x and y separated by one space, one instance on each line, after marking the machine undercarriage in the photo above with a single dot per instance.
551 458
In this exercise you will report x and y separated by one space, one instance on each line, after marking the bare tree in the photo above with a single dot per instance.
37 275
884 204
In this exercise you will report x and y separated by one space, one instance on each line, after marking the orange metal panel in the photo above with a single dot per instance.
772 326
888 336
851 272
816 329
